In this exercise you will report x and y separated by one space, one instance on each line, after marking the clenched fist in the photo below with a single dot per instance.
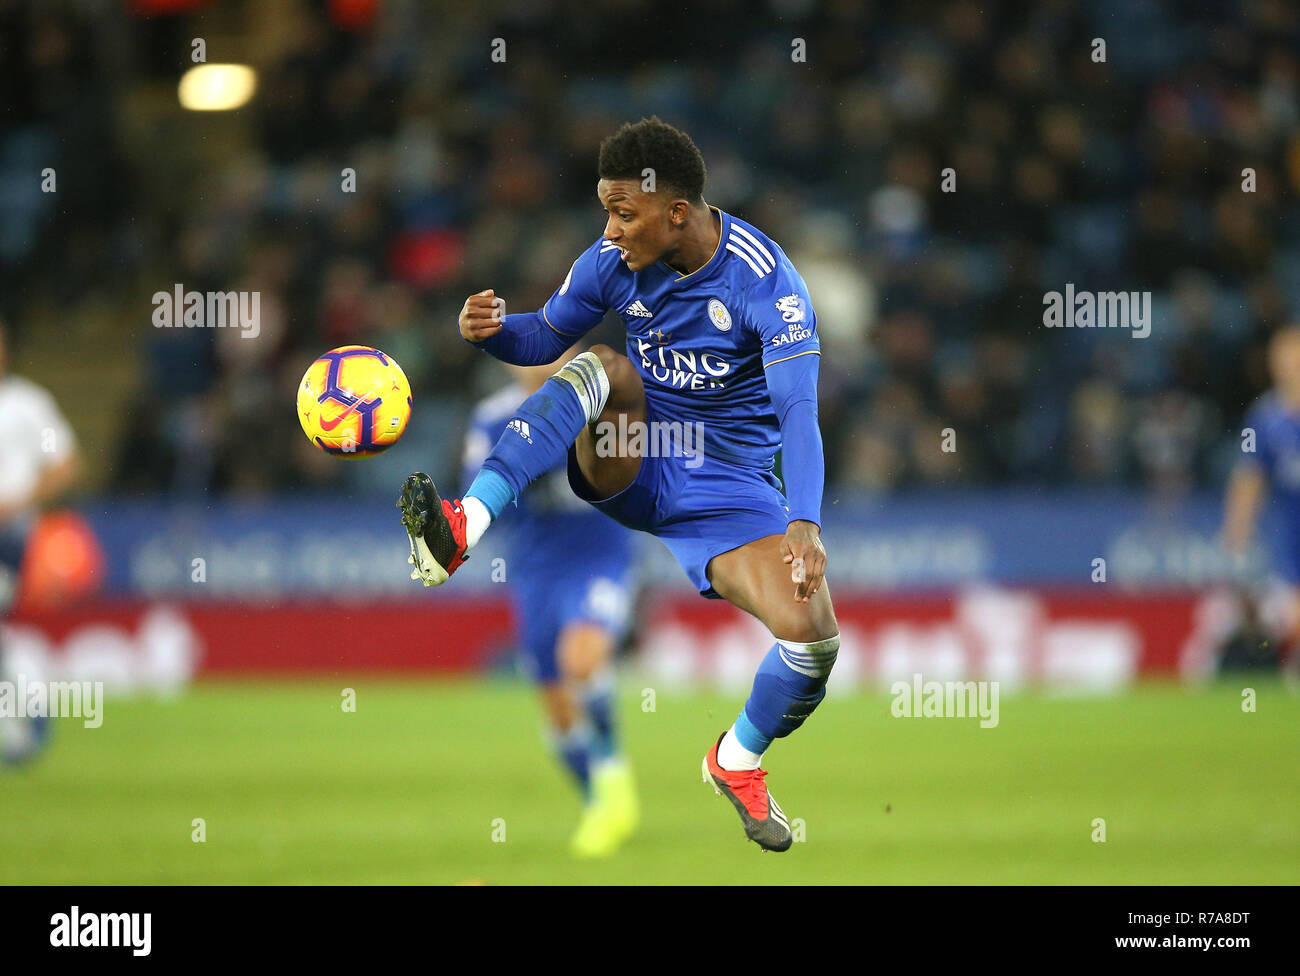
482 316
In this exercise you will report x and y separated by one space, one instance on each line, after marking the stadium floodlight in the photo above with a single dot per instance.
217 87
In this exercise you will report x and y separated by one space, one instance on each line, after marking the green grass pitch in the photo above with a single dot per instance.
408 788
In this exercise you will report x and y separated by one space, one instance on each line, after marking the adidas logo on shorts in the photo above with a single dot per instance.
521 428
639 310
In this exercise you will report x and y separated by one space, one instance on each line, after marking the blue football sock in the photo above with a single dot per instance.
573 747
749 736
789 685
492 490
598 699
537 438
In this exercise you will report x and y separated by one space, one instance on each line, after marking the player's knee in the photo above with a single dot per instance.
609 361
803 627
626 389
814 659
583 651
607 355
585 375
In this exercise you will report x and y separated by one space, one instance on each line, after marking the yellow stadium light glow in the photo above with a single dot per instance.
217 87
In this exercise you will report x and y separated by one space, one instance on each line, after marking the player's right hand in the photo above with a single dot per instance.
482 316
803 552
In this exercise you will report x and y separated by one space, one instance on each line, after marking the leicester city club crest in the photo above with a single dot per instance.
719 315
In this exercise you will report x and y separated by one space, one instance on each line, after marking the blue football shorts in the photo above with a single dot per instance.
598 593
699 512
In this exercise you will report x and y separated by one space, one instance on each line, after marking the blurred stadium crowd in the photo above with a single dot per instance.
1122 175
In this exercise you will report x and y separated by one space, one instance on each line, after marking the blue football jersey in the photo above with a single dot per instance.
1277 450
701 340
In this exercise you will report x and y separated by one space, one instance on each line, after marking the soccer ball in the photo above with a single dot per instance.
354 401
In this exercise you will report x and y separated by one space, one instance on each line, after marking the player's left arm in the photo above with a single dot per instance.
781 313
792 385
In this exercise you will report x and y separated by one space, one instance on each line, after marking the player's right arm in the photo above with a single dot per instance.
537 338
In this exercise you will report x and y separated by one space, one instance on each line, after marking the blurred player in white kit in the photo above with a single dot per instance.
38 464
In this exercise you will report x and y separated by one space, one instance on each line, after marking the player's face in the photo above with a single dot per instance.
638 222
1284 358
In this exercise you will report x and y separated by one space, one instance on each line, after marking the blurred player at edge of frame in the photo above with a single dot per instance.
568 570
1273 467
38 464
721 340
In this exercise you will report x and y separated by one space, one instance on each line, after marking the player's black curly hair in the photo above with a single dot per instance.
654 144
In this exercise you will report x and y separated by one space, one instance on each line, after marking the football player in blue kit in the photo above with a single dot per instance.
721 339
569 574
1270 464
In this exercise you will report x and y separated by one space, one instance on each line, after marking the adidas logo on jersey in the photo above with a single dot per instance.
521 428
639 310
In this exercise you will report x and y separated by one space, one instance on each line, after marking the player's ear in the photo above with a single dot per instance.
678 212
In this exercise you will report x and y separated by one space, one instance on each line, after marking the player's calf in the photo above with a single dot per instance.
537 438
535 441
789 685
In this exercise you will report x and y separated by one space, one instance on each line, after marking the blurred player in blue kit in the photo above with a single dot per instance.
721 339
569 573
1272 429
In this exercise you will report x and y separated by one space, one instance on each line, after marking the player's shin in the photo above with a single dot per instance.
789 685
613 788
572 746
538 437
598 703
